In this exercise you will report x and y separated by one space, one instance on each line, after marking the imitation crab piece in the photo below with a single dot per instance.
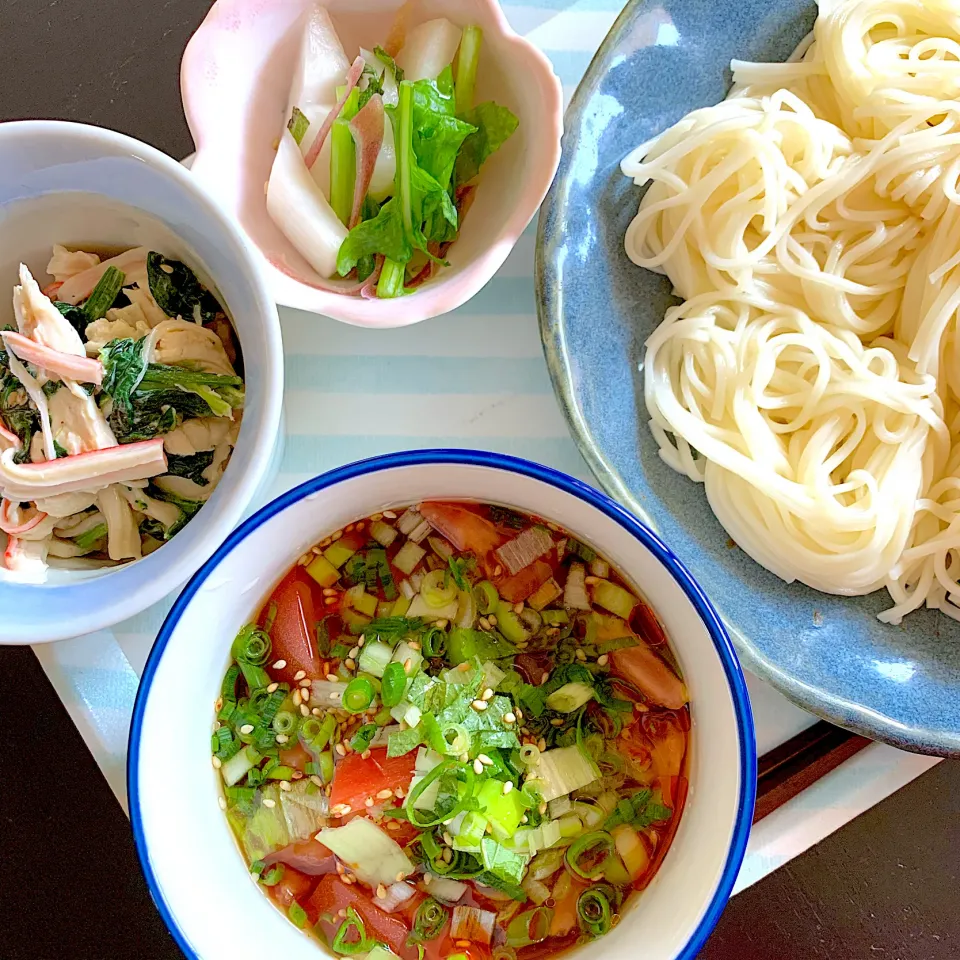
85 471
81 368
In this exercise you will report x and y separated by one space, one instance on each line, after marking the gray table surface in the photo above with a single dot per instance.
885 887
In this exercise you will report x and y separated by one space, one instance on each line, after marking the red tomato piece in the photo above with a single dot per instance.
525 582
308 856
293 885
654 678
465 529
294 630
333 895
356 779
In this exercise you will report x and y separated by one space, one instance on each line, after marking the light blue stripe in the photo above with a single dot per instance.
502 295
570 65
315 455
416 375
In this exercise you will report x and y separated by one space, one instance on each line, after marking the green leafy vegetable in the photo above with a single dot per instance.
298 125
103 295
177 290
501 862
389 63
493 126
74 316
153 398
190 466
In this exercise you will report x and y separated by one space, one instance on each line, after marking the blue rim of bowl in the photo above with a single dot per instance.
718 634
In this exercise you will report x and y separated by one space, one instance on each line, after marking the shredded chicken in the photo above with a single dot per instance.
123 534
76 421
65 263
198 434
40 320
176 341
126 323
166 514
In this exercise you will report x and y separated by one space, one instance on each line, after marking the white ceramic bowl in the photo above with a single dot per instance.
74 184
235 80
192 864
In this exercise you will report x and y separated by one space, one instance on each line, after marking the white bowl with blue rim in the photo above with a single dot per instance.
79 185
193 867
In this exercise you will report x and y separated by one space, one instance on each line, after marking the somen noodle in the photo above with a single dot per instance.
811 377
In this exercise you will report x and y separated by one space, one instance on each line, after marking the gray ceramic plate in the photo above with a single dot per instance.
830 655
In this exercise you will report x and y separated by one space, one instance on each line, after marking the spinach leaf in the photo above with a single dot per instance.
153 398
177 290
75 316
16 412
437 132
383 234
494 125
188 508
190 466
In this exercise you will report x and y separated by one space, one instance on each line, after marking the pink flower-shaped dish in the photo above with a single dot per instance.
235 79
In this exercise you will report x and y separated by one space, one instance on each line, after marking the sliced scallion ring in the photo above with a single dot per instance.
431 819
430 920
353 927
393 685
587 854
486 596
593 912
359 695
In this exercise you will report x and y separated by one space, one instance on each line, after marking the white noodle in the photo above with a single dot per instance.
811 378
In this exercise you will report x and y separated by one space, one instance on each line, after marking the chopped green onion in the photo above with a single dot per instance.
433 643
456 738
429 921
252 646
363 737
104 293
270 618
467 62
486 596
228 689
393 685
588 854
271 705
85 541
529 927
326 766
257 867
593 913
273 876
285 722
358 695
353 927
297 914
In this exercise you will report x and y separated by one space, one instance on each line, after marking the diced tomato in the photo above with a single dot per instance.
293 885
465 529
333 895
356 779
51 289
308 856
525 582
651 675
294 630
296 757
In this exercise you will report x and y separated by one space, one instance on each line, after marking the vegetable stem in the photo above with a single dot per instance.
467 62
391 279
405 158
104 293
343 170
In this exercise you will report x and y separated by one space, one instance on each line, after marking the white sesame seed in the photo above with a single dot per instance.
354 652
493 620
447 855
365 755
400 875
479 705
285 785
368 802
591 579
341 750
272 687
518 608
280 664
509 718
217 763
222 803
381 891
317 712
556 722
524 819
384 794
485 623
282 738
447 839
297 698
603 660
427 879
487 694
545 678
389 514
314 779
350 663
269 803
498 571
581 655
519 714
508 786
304 710
477 766
442 624
247 728
543 808
464 758
484 759
306 683
299 675
407 665
333 678
329 592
